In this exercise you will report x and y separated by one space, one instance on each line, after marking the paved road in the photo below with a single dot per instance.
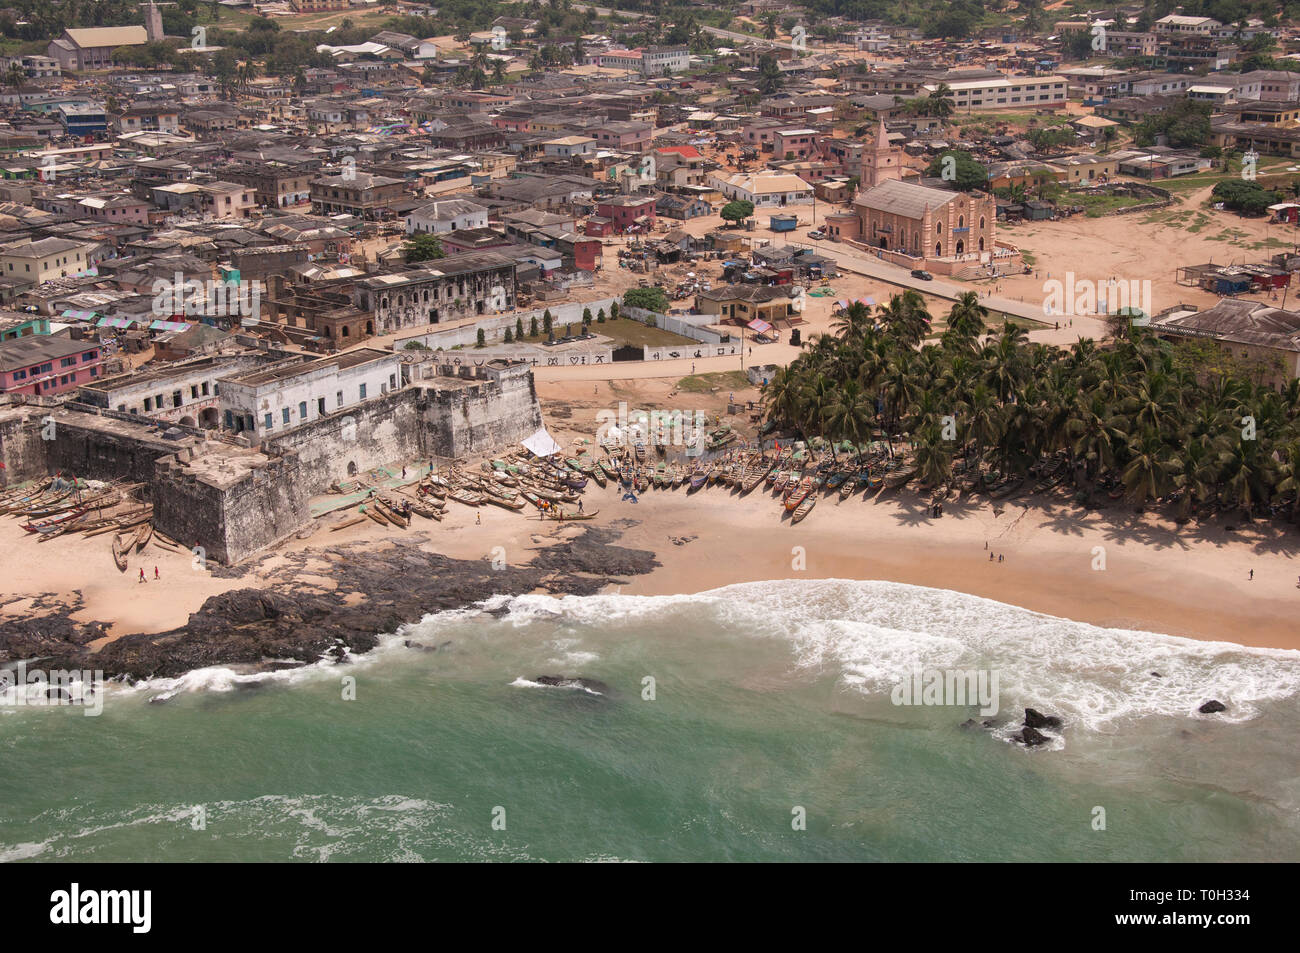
860 262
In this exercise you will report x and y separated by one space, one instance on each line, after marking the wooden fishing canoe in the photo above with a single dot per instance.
802 492
121 546
142 535
804 508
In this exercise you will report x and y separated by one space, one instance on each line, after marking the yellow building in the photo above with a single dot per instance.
44 260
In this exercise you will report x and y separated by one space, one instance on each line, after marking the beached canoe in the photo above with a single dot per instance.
561 516
804 508
802 492
351 521
392 513
142 535
121 546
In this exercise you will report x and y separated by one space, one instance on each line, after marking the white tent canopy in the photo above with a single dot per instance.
542 444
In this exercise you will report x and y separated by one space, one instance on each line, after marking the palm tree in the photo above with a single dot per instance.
938 104
850 414
852 322
769 26
967 318
1148 472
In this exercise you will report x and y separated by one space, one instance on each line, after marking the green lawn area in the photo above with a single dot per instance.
1097 205
627 331
717 380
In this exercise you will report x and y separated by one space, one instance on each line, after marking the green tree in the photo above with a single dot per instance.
480 338
422 247
650 299
737 211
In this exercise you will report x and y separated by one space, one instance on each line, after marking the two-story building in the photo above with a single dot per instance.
448 289
369 197
46 366
264 402
44 259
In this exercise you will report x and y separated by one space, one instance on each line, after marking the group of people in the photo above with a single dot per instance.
143 577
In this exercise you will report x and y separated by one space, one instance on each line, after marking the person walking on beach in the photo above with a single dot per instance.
478 519
580 506
1252 574
142 579
155 573
990 557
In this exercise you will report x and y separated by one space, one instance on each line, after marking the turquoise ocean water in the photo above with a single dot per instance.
771 704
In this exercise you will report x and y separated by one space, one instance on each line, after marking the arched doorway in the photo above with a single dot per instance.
938 249
352 468
884 243
961 245
981 244
208 418
187 421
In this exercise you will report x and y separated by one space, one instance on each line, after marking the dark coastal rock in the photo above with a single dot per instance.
572 681
970 723
1030 737
1156 675
1034 719
378 590
1213 706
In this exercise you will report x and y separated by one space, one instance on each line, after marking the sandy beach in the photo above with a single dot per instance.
1192 581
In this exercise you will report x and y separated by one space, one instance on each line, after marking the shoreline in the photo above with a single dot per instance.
1195 584
1192 582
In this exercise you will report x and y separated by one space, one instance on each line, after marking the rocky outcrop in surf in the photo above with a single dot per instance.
1212 707
572 681
376 590
1035 719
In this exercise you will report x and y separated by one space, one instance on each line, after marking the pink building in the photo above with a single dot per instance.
47 365
114 208
627 213
794 143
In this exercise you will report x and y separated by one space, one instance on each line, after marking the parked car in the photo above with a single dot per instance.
922 274
817 235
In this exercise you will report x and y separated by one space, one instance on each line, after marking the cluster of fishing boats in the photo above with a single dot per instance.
58 506
513 483
794 474
797 475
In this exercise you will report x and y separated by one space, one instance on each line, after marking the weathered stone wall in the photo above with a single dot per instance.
234 521
21 450
497 410
359 438
38 440
90 452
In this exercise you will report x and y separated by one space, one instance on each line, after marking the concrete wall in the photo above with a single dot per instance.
494 328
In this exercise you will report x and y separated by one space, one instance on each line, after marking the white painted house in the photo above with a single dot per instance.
764 189
275 399
448 215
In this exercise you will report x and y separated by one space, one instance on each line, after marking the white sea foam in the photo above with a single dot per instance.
872 634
